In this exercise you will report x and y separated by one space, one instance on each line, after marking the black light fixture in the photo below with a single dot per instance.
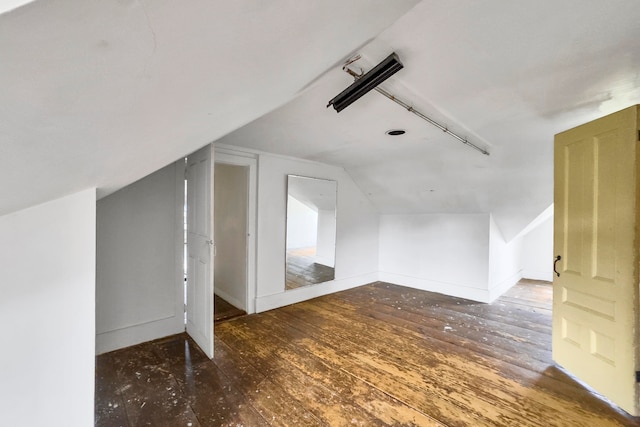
367 82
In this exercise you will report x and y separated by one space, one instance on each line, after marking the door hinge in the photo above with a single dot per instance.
638 376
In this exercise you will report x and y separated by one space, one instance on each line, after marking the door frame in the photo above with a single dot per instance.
239 158
181 200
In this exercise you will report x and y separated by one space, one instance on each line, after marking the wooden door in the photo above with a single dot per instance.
200 249
595 298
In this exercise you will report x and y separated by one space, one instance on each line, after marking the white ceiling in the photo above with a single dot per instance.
101 93
506 74
317 194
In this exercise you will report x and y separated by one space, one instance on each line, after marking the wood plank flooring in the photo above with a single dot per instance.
302 270
377 355
223 310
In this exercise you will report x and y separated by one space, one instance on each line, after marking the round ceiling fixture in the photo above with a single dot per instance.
396 132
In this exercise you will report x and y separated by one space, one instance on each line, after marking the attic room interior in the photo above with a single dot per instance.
455 247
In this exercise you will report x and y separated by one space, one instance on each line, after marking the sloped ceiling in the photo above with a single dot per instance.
507 75
102 93
314 193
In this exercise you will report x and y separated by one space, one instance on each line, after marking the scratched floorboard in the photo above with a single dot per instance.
377 355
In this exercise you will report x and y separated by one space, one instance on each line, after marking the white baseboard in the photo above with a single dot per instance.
325 261
470 292
452 289
269 302
132 335
496 291
538 275
230 299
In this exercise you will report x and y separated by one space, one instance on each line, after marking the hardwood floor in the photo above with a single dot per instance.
376 355
223 310
302 270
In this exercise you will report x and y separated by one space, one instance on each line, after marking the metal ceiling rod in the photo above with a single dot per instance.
416 112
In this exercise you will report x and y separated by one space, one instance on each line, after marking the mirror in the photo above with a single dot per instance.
311 231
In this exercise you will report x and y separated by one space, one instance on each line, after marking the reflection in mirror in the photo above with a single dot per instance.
311 231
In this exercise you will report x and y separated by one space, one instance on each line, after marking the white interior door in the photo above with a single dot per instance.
200 248
595 298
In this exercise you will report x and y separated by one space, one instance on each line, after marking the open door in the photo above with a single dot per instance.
200 248
595 296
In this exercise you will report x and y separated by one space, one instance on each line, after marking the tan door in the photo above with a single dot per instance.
595 298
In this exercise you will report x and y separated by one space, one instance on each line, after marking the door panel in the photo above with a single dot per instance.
200 249
596 296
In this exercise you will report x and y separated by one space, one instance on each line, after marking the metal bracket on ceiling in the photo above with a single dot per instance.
409 108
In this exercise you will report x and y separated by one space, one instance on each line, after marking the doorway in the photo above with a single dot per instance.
230 231
234 231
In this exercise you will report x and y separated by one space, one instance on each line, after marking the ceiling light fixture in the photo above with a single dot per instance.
403 104
366 82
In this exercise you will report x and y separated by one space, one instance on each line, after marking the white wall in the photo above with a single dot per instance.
326 243
302 225
505 261
357 232
230 223
537 254
47 313
139 261
445 253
